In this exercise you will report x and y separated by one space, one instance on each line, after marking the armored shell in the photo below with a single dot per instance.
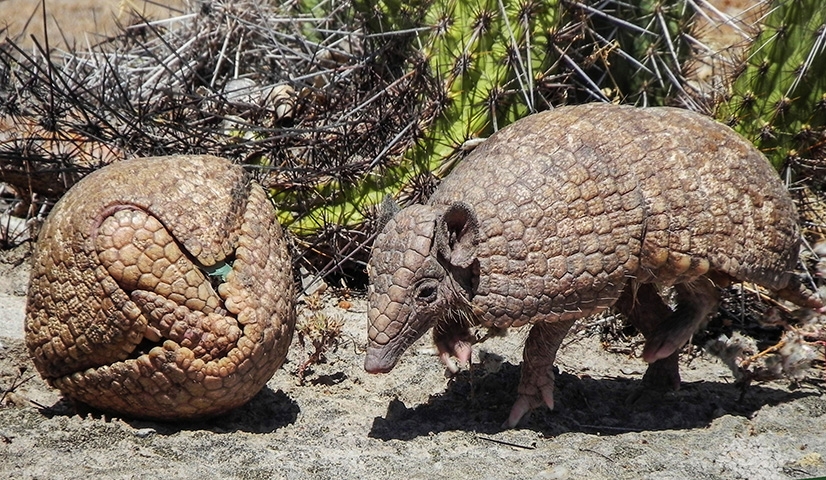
574 202
161 288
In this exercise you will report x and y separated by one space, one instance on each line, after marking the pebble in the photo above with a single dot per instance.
144 432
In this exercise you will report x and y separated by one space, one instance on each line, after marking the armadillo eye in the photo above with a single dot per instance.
426 293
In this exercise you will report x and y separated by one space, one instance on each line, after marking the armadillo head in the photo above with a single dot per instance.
422 270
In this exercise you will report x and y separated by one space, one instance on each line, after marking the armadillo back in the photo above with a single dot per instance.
573 202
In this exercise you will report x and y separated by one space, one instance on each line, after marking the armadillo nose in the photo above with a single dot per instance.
377 363
371 368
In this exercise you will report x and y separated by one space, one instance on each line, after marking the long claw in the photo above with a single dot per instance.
661 346
526 403
519 409
462 351
449 363
548 395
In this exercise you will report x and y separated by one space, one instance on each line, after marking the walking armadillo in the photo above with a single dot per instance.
572 211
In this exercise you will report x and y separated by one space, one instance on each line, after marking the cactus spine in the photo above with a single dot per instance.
494 62
779 100
487 58
646 44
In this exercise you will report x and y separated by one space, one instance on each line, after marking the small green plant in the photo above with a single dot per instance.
317 333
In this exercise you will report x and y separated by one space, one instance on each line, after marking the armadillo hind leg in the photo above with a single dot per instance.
695 301
536 386
798 294
646 311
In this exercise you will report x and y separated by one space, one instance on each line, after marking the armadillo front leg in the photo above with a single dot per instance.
536 386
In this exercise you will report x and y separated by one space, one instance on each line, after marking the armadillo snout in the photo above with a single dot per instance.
383 334
376 362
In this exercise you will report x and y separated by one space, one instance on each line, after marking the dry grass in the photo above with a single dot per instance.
173 88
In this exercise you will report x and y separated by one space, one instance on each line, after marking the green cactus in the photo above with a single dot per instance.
487 66
494 62
490 60
384 96
779 99
640 46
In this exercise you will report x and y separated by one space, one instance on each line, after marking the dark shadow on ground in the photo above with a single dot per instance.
481 403
266 412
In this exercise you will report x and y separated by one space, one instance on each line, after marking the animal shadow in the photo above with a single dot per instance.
605 406
266 412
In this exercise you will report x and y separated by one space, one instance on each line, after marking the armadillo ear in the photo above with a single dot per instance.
457 235
388 208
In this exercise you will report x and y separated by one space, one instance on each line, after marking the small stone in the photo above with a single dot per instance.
144 432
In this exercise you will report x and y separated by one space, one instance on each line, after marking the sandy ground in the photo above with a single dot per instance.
414 422
76 22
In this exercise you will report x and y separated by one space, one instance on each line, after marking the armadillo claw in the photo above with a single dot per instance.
449 363
461 350
662 346
525 403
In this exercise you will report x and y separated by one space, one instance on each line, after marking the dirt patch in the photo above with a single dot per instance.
413 422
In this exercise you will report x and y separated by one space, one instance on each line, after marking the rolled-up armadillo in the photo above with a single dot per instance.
161 288
569 212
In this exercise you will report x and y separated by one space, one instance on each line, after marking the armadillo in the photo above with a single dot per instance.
161 288
572 211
